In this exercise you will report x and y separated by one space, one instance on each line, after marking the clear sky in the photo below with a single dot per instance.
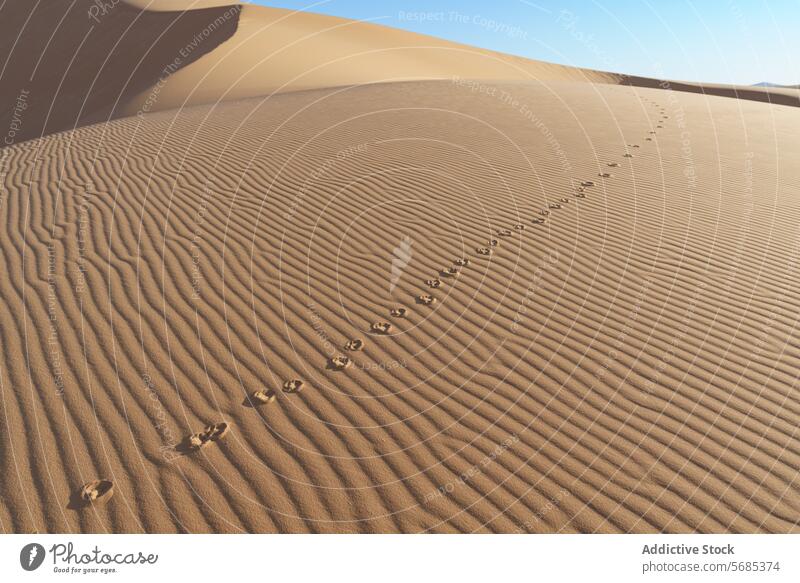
724 41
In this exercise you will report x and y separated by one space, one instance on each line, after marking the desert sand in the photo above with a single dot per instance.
325 276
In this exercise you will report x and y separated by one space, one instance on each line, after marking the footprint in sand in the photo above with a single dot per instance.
194 442
449 272
544 212
554 205
659 126
503 233
605 175
633 145
651 133
483 251
398 312
211 433
493 242
434 283
580 194
461 261
613 164
519 227
648 139
564 199
97 492
340 362
381 327
587 183
263 396
627 155
426 299
293 386
537 220
215 431
354 344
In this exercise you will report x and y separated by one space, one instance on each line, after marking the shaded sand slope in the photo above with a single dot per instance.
62 66
628 365
73 63
277 50
68 63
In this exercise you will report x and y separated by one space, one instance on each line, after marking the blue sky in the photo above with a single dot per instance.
724 41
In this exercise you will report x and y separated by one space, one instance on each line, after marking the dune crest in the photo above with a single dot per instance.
82 62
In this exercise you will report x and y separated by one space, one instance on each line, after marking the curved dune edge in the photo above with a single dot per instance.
67 64
626 366
98 64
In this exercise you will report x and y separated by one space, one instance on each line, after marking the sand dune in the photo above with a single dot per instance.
777 95
611 347
78 62
65 64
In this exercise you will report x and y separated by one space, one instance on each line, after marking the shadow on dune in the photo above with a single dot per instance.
66 64
776 95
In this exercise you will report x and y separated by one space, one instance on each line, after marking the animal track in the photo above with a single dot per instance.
381 327
211 433
449 272
195 442
293 386
215 431
426 299
354 344
434 283
503 233
605 175
483 251
398 312
97 492
462 262
264 396
340 362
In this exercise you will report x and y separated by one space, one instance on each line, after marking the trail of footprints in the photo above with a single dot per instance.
99 491
451 273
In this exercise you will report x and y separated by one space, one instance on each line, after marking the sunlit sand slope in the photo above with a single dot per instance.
626 365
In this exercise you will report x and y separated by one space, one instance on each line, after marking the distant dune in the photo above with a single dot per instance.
326 276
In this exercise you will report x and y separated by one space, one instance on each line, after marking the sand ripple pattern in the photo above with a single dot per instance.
623 359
